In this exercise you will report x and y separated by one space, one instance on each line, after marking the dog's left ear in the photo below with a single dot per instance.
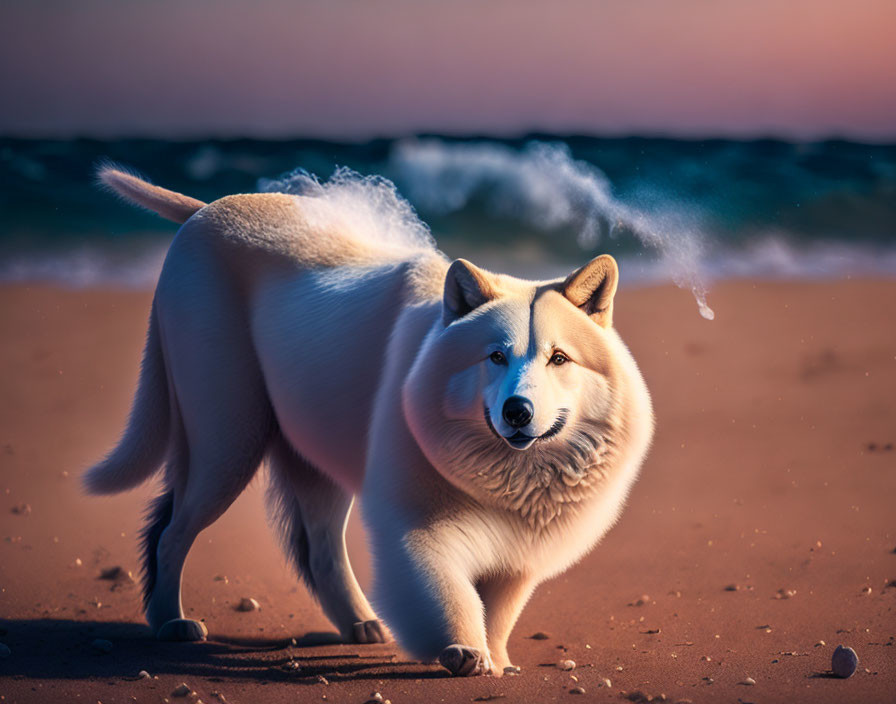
593 287
466 288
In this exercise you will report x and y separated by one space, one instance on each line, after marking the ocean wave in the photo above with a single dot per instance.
544 186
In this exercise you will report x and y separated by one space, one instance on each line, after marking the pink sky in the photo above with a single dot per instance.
798 68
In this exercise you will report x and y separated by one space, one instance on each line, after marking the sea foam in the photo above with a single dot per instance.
543 185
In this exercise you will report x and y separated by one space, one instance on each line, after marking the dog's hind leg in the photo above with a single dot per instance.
216 475
310 513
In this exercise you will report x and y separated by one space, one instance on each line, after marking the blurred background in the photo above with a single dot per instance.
694 140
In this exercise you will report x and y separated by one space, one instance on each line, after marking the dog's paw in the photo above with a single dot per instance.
464 661
370 632
182 629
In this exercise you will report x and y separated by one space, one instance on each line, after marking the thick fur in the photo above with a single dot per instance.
371 367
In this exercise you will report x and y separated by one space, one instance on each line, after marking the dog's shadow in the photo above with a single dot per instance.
63 649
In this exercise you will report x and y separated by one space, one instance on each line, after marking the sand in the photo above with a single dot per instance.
760 536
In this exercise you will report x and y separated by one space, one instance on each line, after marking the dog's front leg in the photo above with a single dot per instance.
430 603
504 596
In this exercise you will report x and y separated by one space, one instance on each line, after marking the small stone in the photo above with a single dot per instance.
566 665
221 578
785 593
605 682
320 679
116 574
820 644
5 652
749 681
182 690
374 698
641 600
248 604
512 670
540 635
21 509
732 588
143 675
844 662
867 591
101 645
577 690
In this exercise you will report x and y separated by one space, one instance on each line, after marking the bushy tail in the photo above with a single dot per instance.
143 447
168 204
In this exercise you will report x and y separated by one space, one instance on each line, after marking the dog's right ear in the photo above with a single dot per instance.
466 288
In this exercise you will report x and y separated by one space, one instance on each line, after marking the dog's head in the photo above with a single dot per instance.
523 384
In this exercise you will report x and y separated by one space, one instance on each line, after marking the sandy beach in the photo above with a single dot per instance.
759 537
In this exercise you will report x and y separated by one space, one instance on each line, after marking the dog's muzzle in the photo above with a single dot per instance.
520 440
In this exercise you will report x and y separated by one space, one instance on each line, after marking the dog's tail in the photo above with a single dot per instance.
143 447
168 204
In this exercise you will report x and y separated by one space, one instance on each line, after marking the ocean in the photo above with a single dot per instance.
690 211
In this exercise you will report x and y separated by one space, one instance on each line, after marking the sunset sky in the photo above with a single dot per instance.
354 69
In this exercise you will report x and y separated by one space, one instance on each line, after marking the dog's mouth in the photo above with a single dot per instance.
520 440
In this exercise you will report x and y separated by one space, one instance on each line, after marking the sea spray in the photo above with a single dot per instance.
543 185
369 206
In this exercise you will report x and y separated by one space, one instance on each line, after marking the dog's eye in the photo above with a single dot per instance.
498 357
559 358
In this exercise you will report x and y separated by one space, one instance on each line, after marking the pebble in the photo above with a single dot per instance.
182 690
641 601
5 652
374 698
143 675
248 604
116 574
605 682
785 594
577 690
21 509
732 588
541 635
844 662
512 670
749 681
566 665
102 645
642 697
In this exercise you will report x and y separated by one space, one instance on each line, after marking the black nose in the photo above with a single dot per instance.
517 411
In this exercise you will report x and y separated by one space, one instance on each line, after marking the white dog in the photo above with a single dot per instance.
491 426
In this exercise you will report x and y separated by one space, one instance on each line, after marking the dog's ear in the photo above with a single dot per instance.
593 287
466 288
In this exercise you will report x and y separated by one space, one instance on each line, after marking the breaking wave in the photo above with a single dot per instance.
543 185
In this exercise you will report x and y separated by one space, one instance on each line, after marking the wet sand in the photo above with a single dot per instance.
760 536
